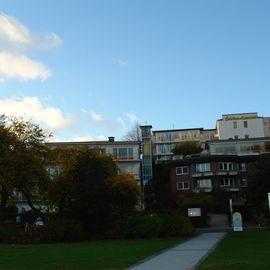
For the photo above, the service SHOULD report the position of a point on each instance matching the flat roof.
(184, 129)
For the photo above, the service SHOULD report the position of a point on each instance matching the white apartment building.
(126, 154)
(242, 126)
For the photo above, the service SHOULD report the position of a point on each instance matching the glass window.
(234, 124)
(242, 167)
(226, 166)
(246, 136)
(182, 185)
(245, 124)
(203, 167)
(182, 170)
(228, 182)
(204, 183)
(236, 137)
(243, 182)
(130, 153)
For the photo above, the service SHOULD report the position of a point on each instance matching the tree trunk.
(29, 201)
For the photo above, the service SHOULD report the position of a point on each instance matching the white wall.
(226, 130)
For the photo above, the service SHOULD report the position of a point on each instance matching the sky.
(89, 69)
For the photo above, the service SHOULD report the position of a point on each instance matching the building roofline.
(184, 129)
(241, 140)
(93, 143)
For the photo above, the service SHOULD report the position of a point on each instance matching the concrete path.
(185, 256)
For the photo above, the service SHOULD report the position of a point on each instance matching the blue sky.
(89, 69)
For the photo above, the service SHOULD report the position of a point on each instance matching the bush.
(178, 225)
(150, 225)
(7, 231)
(62, 230)
(153, 225)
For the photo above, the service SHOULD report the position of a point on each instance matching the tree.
(124, 194)
(23, 160)
(187, 148)
(62, 161)
(134, 134)
(158, 196)
(259, 185)
(88, 201)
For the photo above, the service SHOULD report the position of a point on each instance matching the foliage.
(177, 225)
(259, 186)
(89, 198)
(23, 160)
(62, 161)
(195, 200)
(125, 193)
(187, 148)
(154, 225)
(62, 230)
(157, 192)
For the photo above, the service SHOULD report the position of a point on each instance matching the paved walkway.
(185, 256)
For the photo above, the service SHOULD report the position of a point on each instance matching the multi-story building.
(126, 154)
(165, 140)
(242, 126)
(208, 173)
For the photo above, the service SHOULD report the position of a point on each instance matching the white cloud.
(89, 138)
(19, 66)
(15, 40)
(98, 118)
(132, 117)
(11, 30)
(31, 107)
(120, 62)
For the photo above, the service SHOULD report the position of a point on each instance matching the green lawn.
(103, 255)
(240, 251)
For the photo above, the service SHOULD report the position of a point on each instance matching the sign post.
(237, 222)
(269, 200)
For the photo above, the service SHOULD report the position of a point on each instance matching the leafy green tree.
(23, 160)
(187, 148)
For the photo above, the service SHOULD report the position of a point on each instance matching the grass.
(105, 255)
(240, 251)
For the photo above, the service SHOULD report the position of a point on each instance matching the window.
(123, 153)
(242, 167)
(234, 124)
(228, 182)
(226, 166)
(246, 136)
(243, 182)
(182, 170)
(203, 167)
(245, 124)
(236, 137)
(182, 185)
(204, 183)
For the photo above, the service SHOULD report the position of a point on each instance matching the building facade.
(126, 154)
(206, 174)
(242, 126)
(165, 140)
